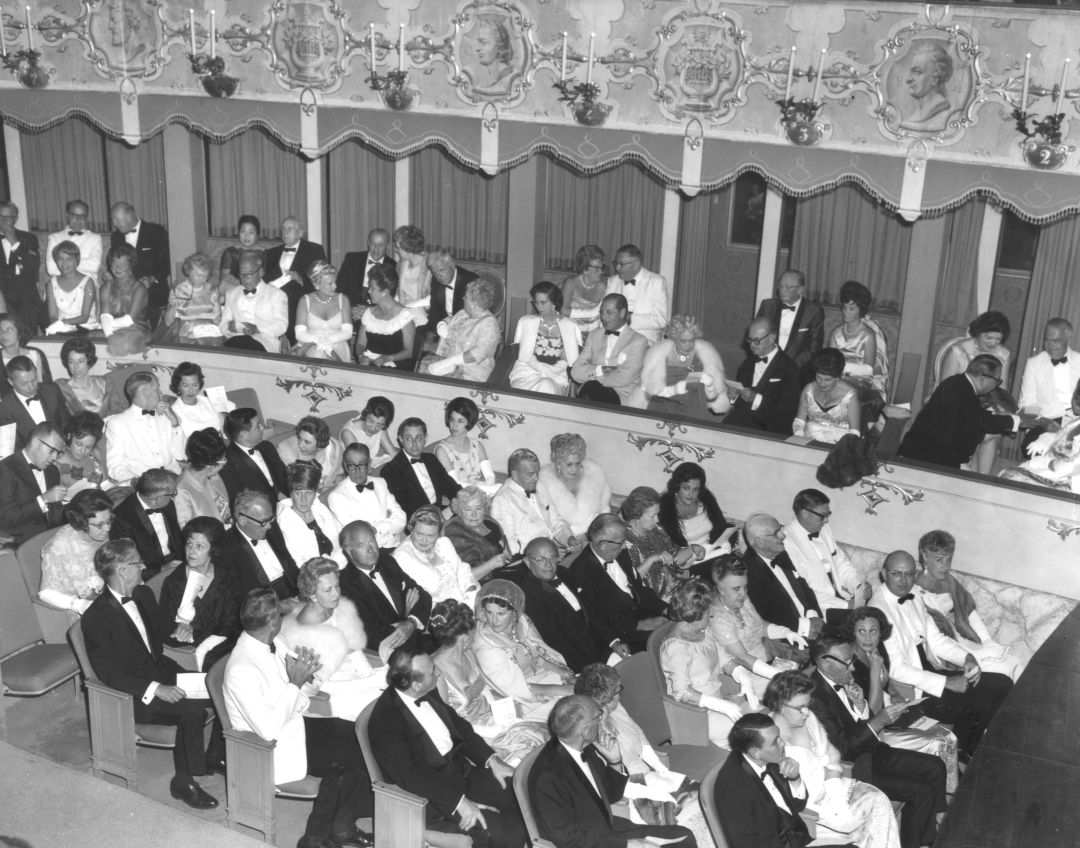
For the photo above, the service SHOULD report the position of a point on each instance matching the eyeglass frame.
(850, 663)
(262, 522)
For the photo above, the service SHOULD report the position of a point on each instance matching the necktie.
(417, 461)
(904, 598)
(288, 250)
(1059, 361)
(787, 308)
(361, 486)
(812, 536)
(33, 398)
(630, 283)
(149, 412)
(325, 546)
(75, 232)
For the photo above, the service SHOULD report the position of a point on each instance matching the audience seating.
(184, 656)
(903, 392)
(521, 790)
(54, 621)
(249, 780)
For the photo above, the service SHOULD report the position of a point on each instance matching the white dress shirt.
(435, 727)
(132, 611)
(618, 576)
(33, 408)
(157, 521)
(524, 518)
(817, 559)
(271, 565)
(798, 790)
(759, 372)
(89, 244)
(376, 506)
(132, 235)
(583, 767)
(267, 309)
(787, 322)
(648, 302)
(423, 478)
(135, 443)
(9, 247)
(1046, 389)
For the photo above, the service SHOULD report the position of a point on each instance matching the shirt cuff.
(804, 627)
(419, 624)
(1015, 422)
(798, 788)
(150, 692)
(756, 403)
(599, 372)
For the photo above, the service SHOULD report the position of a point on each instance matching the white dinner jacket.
(271, 315)
(1039, 387)
(814, 559)
(89, 244)
(376, 506)
(135, 443)
(648, 300)
(523, 519)
(528, 327)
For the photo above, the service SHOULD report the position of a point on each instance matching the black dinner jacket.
(779, 388)
(237, 555)
(807, 331)
(152, 248)
(27, 258)
(612, 613)
(749, 813)
(561, 626)
(217, 612)
(406, 489)
(240, 472)
(350, 279)
(409, 758)
(376, 612)
(951, 425)
(769, 597)
(13, 411)
(20, 515)
(307, 252)
(437, 310)
(130, 521)
(568, 810)
(852, 737)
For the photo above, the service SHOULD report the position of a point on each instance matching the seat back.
(374, 771)
(521, 790)
(642, 695)
(707, 796)
(939, 361)
(78, 645)
(652, 648)
(245, 398)
(29, 556)
(19, 626)
(215, 685)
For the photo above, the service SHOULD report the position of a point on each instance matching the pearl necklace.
(327, 299)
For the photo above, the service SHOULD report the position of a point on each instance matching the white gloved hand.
(722, 706)
(763, 669)
(666, 392)
(776, 631)
(680, 387)
(707, 381)
(442, 330)
(745, 680)
(446, 365)
(487, 471)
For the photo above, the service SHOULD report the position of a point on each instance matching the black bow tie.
(812, 536)
(36, 468)
(126, 599)
(252, 451)
(374, 261)
(288, 250)
(254, 542)
(429, 698)
(157, 511)
(149, 412)
(904, 598)
(630, 283)
(839, 687)
(75, 232)
(787, 308)
(761, 359)
(361, 486)
(612, 332)
(33, 398)
(418, 461)
(530, 493)
(1059, 361)
(250, 293)
(273, 648)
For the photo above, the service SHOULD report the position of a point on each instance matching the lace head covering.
(505, 591)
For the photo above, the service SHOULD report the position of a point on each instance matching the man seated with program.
(251, 461)
(520, 512)
(255, 548)
(255, 315)
(775, 588)
(609, 365)
(31, 402)
(576, 778)
(1050, 378)
(428, 749)
(921, 655)
(415, 478)
(31, 497)
(770, 381)
(362, 498)
(267, 690)
(145, 435)
(148, 517)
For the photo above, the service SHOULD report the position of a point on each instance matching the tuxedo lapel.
(129, 624)
(583, 781)
(372, 590)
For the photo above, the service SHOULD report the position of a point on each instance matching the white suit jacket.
(89, 244)
(376, 506)
(650, 305)
(271, 315)
(814, 559)
(912, 624)
(524, 519)
(528, 327)
(627, 357)
(1039, 387)
(135, 443)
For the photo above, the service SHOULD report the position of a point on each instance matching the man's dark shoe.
(215, 765)
(355, 838)
(193, 795)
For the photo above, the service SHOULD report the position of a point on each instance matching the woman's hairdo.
(464, 407)
(638, 502)
(828, 362)
(311, 572)
(690, 601)
(428, 515)
(304, 475)
(565, 445)
(449, 620)
(680, 324)
(315, 426)
(186, 369)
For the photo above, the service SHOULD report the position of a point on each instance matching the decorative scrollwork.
(313, 390)
(1063, 528)
(113, 365)
(483, 424)
(671, 426)
(673, 451)
(873, 499)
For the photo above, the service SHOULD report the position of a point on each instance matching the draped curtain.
(252, 175)
(843, 235)
(958, 282)
(460, 209)
(137, 175)
(622, 205)
(60, 164)
(360, 196)
(691, 264)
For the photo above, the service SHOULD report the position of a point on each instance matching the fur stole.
(578, 509)
(654, 372)
(332, 642)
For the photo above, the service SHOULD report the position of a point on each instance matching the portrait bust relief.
(493, 53)
(126, 36)
(927, 87)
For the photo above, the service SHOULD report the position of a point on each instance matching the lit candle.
(213, 34)
(1061, 90)
(191, 28)
(562, 76)
(401, 47)
(588, 67)
(790, 73)
(371, 27)
(3, 34)
(820, 71)
(1027, 74)
(30, 31)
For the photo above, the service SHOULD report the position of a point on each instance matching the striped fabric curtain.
(137, 175)
(958, 283)
(64, 163)
(360, 195)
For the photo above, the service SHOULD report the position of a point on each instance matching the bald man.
(800, 324)
(19, 268)
(151, 243)
(769, 397)
(286, 266)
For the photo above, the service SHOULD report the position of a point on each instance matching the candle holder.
(1042, 147)
(26, 67)
(391, 86)
(797, 119)
(211, 73)
(583, 100)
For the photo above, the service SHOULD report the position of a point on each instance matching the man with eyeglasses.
(20, 262)
(255, 548)
(362, 498)
(77, 231)
(925, 659)
(31, 497)
(255, 315)
(31, 401)
(954, 421)
(251, 461)
(449, 281)
(800, 324)
(769, 397)
(148, 517)
(646, 293)
(840, 705)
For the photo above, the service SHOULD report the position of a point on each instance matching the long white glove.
(778, 631)
(442, 329)
(763, 669)
(678, 388)
(446, 365)
(706, 380)
(487, 471)
(719, 705)
(745, 680)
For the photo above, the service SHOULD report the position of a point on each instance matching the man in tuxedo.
(145, 435)
(148, 517)
(30, 402)
(267, 690)
(416, 478)
(576, 778)
(778, 592)
(389, 602)
(151, 243)
(1050, 378)
(555, 606)
(609, 365)
(362, 498)
(840, 705)
(769, 397)
(286, 267)
(428, 749)
(255, 315)
(255, 549)
(645, 291)
(800, 324)
(352, 279)
(521, 513)
(77, 231)
(448, 284)
(31, 497)
(19, 270)
(949, 428)
(123, 630)
(921, 653)
(621, 609)
(251, 462)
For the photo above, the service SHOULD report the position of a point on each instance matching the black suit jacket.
(779, 388)
(350, 279)
(568, 810)
(240, 472)
(559, 624)
(405, 751)
(852, 737)
(237, 555)
(307, 252)
(152, 248)
(769, 597)
(13, 411)
(217, 612)
(19, 274)
(376, 612)
(20, 515)
(437, 310)
(750, 815)
(951, 425)
(130, 521)
(612, 613)
(807, 332)
(406, 489)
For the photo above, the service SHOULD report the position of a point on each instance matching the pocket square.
(802, 330)
(774, 379)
